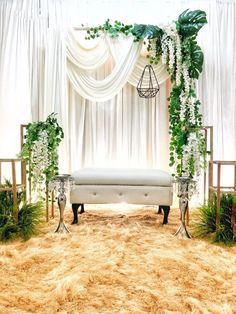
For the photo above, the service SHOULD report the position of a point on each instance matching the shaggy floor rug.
(117, 262)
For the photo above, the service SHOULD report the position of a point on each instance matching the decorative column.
(62, 182)
(183, 194)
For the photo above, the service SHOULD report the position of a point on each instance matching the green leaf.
(196, 61)
(147, 31)
(190, 22)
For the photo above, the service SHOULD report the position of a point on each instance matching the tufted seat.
(132, 186)
(107, 176)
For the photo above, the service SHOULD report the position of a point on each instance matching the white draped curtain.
(24, 33)
(34, 82)
(123, 132)
(110, 125)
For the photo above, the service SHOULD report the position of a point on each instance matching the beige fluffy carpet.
(117, 262)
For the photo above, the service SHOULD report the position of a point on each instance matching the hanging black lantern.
(148, 86)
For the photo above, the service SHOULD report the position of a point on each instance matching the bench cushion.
(131, 176)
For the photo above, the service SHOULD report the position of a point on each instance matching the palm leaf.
(190, 22)
(196, 61)
(147, 31)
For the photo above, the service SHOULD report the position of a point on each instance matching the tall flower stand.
(183, 194)
(62, 182)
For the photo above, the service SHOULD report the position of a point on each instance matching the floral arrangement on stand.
(40, 153)
(176, 46)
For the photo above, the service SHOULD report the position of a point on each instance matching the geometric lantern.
(148, 86)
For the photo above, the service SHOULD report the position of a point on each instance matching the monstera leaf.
(190, 22)
(147, 31)
(196, 59)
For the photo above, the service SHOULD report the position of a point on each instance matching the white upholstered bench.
(132, 186)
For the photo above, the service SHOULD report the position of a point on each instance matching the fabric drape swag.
(128, 66)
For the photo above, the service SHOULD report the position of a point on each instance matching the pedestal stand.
(62, 180)
(183, 194)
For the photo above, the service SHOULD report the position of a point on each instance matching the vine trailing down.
(176, 46)
(40, 152)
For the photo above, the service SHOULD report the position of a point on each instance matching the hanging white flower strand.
(169, 46)
(164, 48)
(178, 68)
(191, 151)
(40, 160)
(171, 51)
(178, 60)
(187, 80)
(191, 106)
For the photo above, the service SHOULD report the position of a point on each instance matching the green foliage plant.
(176, 45)
(30, 217)
(9, 231)
(6, 202)
(25, 226)
(25, 222)
(205, 220)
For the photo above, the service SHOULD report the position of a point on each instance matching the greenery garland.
(176, 45)
(40, 151)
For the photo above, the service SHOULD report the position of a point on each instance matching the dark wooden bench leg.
(166, 210)
(82, 209)
(75, 212)
(159, 210)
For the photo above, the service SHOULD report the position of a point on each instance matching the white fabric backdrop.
(123, 132)
(27, 92)
(15, 87)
